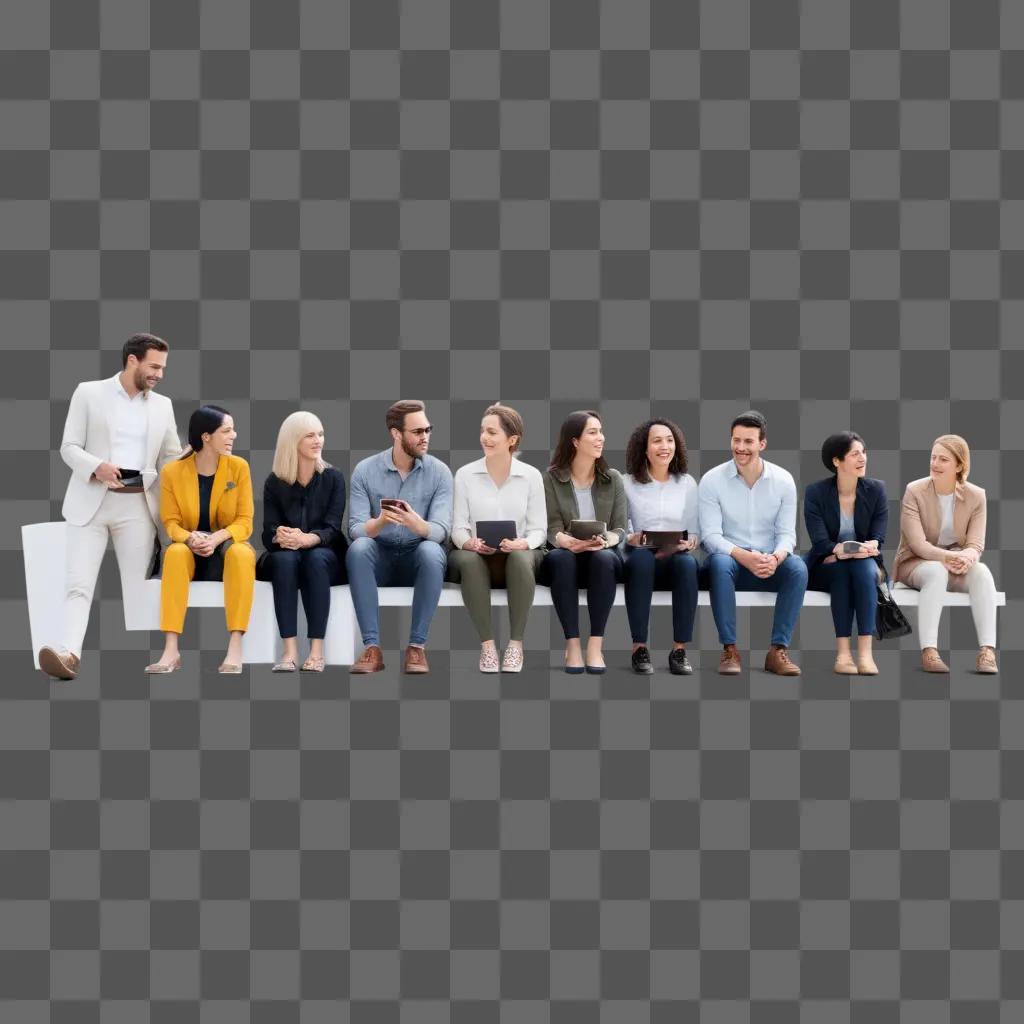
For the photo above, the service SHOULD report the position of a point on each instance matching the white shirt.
(947, 535)
(671, 505)
(128, 442)
(759, 518)
(520, 498)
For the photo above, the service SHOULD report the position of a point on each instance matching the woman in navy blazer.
(848, 506)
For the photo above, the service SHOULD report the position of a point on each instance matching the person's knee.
(605, 562)
(318, 559)
(684, 565)
(522, 562)
(430, 555)
(793, 568)
(980, 574)
(560, 563)
(931, 574)
(240, 555)
(362, 551)
(177, 553)
(720, 564)
(283, 563)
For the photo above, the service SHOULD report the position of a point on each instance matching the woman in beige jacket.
(942, 536)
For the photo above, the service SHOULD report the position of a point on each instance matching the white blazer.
(88, 432)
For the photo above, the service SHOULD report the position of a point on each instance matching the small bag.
(890, 622)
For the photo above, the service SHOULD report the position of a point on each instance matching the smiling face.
(854, 462)
(590, 444)
(943, 468)
(414, 435)
(661, 447)
(147, 372)
(222, 440)
(311, 444)
(493, 439)
(746, 445)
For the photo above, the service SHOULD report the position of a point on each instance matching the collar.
(119, 388)
(480, 466)
(388, 458)
(564, 476)
(734, 469)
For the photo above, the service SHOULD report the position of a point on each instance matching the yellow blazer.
(231, 506)
(921, 521)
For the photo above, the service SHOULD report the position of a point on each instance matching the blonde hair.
(958, 448)
(286, 455)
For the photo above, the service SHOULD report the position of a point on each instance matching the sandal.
(288, 665)
(226, 668)
(512, 659)
(312, 664)
(488, 659)
(159, 669)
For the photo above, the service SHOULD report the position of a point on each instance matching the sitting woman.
(580, 485)
(303, 513)
(942, 537)
(660, 496)
(847, 515)
(503, 488)
(206, 507)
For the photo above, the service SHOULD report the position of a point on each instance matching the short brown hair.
(139, 344)
(395, 416)
(510, 420)
(636, 451)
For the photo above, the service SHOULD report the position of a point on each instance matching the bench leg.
(339, 644)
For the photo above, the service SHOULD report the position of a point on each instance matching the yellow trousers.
(239, 581)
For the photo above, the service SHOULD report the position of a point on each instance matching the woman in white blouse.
(660, 496)
(494, 488)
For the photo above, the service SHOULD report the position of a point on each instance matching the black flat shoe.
(678, 663)
(596, 670)
(574, 670)
(641, 661)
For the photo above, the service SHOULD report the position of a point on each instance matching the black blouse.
(318, 508)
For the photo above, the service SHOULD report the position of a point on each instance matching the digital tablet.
(493, 531)
(586, 529)
(663, 540)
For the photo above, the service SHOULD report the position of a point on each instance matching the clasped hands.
(869, 549)
(477, 544)
(293, 539)
(960, 562)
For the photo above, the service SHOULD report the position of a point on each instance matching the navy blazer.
(318, 508)
(821, 514)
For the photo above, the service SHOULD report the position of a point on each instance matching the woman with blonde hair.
(303, 510)
(942, 537)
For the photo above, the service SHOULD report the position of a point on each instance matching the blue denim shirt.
(428, 489)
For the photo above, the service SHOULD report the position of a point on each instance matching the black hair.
(139, 344)
(837, 446)
(572, 430)
(636, 451)
(751, 418)
(205, 420)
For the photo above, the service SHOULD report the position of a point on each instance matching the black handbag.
(890, 622)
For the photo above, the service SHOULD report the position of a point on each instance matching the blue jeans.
(725, 576)
(851, 584)
(644, 574)
(371, 565)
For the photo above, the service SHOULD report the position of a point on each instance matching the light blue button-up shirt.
(427, 489)
(759, 518)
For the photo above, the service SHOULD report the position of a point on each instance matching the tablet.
(663, 540)
(493, 531)
(586, 529)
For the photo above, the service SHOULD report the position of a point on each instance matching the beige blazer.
(921, 520)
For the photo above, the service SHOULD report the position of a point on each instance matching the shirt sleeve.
(710, 518)
(691, 512)
(170, 510)
(272, 512)
(359, 504)
(76, 428)
(461, 530)
(439, 513)
(785, 518)
(329, 528)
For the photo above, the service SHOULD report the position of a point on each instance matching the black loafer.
(678, 663)
(641, 661)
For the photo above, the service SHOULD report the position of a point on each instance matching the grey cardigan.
(609, 502)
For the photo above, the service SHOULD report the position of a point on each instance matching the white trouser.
(126, 519)
(933, 579)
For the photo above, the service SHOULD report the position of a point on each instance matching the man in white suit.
(118, 434)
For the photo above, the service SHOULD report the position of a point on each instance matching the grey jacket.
(609, 502)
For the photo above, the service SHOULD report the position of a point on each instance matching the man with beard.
(400, 515)
(117, 435)
(748, 525)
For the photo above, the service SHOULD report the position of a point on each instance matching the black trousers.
(565, 572)
(310, 572)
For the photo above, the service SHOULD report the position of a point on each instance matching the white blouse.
(672, 505)
(520, 498)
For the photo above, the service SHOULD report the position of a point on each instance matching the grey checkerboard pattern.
(644, 205)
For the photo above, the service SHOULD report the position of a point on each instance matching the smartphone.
(393, 503)
(852, 547)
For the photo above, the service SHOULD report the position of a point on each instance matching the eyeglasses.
(420, 431)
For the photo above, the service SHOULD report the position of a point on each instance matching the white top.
(130, 422)
(759, 518)
(946, 536)
(585, 502)
(520, 498)
(671, 505)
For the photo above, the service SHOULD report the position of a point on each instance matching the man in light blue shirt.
(400, 515)
(748, 527)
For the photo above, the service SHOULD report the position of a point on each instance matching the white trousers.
(933, 579)
(126, 520)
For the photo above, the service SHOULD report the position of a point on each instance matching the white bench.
(44, 550)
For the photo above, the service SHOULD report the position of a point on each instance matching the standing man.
(400, 515)
(748, 525)
(118, 434)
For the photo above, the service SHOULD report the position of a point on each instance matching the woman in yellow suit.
(206, 506)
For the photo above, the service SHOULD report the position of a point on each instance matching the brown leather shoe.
(777, 661)
(371, 660)
(415, 661)
(729, 664)
(58, 663)
(986, 663)
(931, 662)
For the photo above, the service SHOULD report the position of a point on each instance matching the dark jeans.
(311, 572)
(851, 583)
(565, 573)
(646, 573)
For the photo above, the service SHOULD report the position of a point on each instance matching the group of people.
(579, 524)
